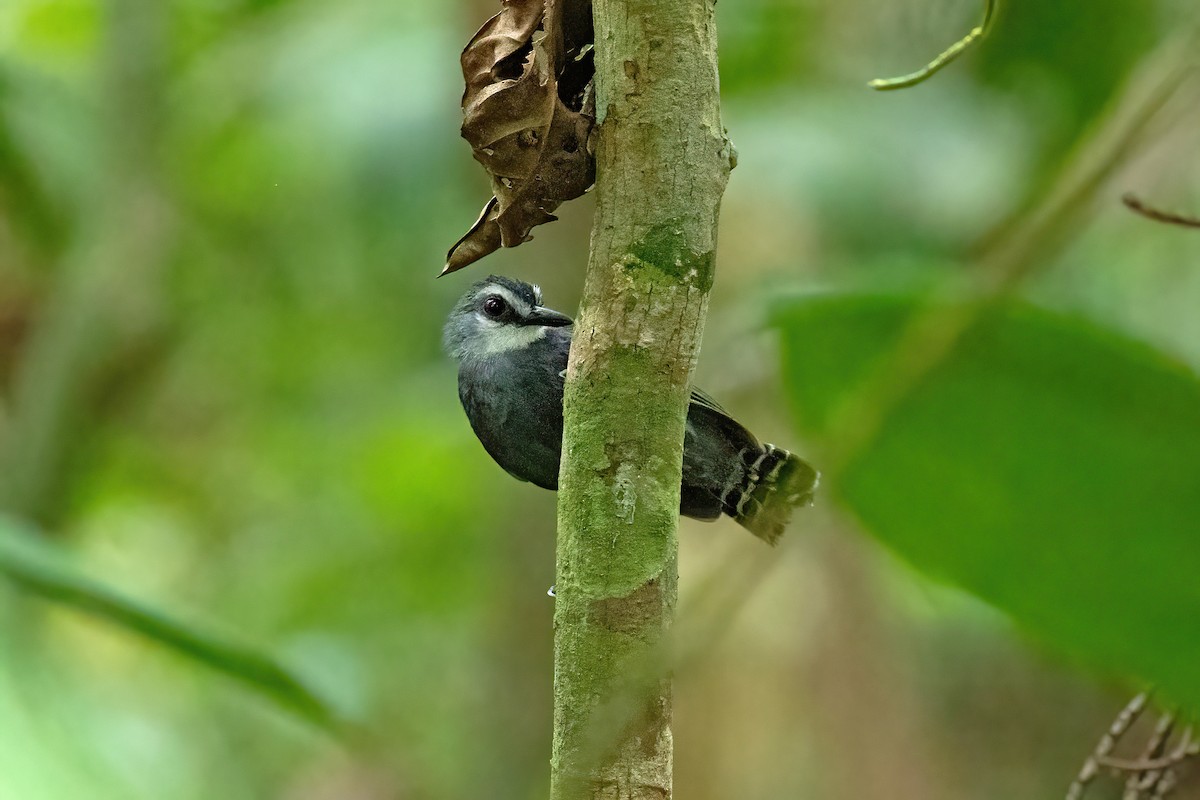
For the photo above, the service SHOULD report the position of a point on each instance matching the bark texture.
(662, 163)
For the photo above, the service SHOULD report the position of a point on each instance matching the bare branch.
(1134, 204)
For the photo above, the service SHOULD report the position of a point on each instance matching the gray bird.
(512, 355)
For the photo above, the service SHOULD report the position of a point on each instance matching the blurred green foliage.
(35, 567)
(1044, 464)
(221, 390)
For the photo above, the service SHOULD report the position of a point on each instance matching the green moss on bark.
(626, 452)
(665, 248)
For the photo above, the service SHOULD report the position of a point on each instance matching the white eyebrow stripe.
(513, 301)
(537, 294)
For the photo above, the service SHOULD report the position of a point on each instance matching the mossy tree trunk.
(662, 163)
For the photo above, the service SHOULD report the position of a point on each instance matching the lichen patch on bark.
(625, 492)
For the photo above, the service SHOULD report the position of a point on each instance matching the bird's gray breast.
(513, 400)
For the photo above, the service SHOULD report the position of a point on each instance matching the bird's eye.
(494, 306)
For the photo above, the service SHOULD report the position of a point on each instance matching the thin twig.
(1185, 750)
(1140, 781)
(1165, 785)
(1170, 779)
(1152, 775)
(1134, 204)
(1108, 741)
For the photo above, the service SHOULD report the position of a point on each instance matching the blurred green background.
(222, 393)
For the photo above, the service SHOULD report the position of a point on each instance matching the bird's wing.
(705, 412)
(705, 400)
(515, 475)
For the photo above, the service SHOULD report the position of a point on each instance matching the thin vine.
(948, 55)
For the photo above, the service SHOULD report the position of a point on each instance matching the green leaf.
(1044, 464)
(39, 569)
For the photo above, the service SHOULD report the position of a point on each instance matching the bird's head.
(498, 314)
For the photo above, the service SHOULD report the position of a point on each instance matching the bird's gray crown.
(498, 314)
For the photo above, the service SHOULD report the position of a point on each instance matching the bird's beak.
(547, 317)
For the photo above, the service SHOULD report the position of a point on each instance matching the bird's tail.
(775, 483)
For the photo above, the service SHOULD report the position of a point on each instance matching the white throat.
(503, 338)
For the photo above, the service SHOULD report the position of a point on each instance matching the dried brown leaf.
(481, 239)
(528, 113)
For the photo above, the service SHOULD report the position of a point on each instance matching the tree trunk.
(662, 164)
